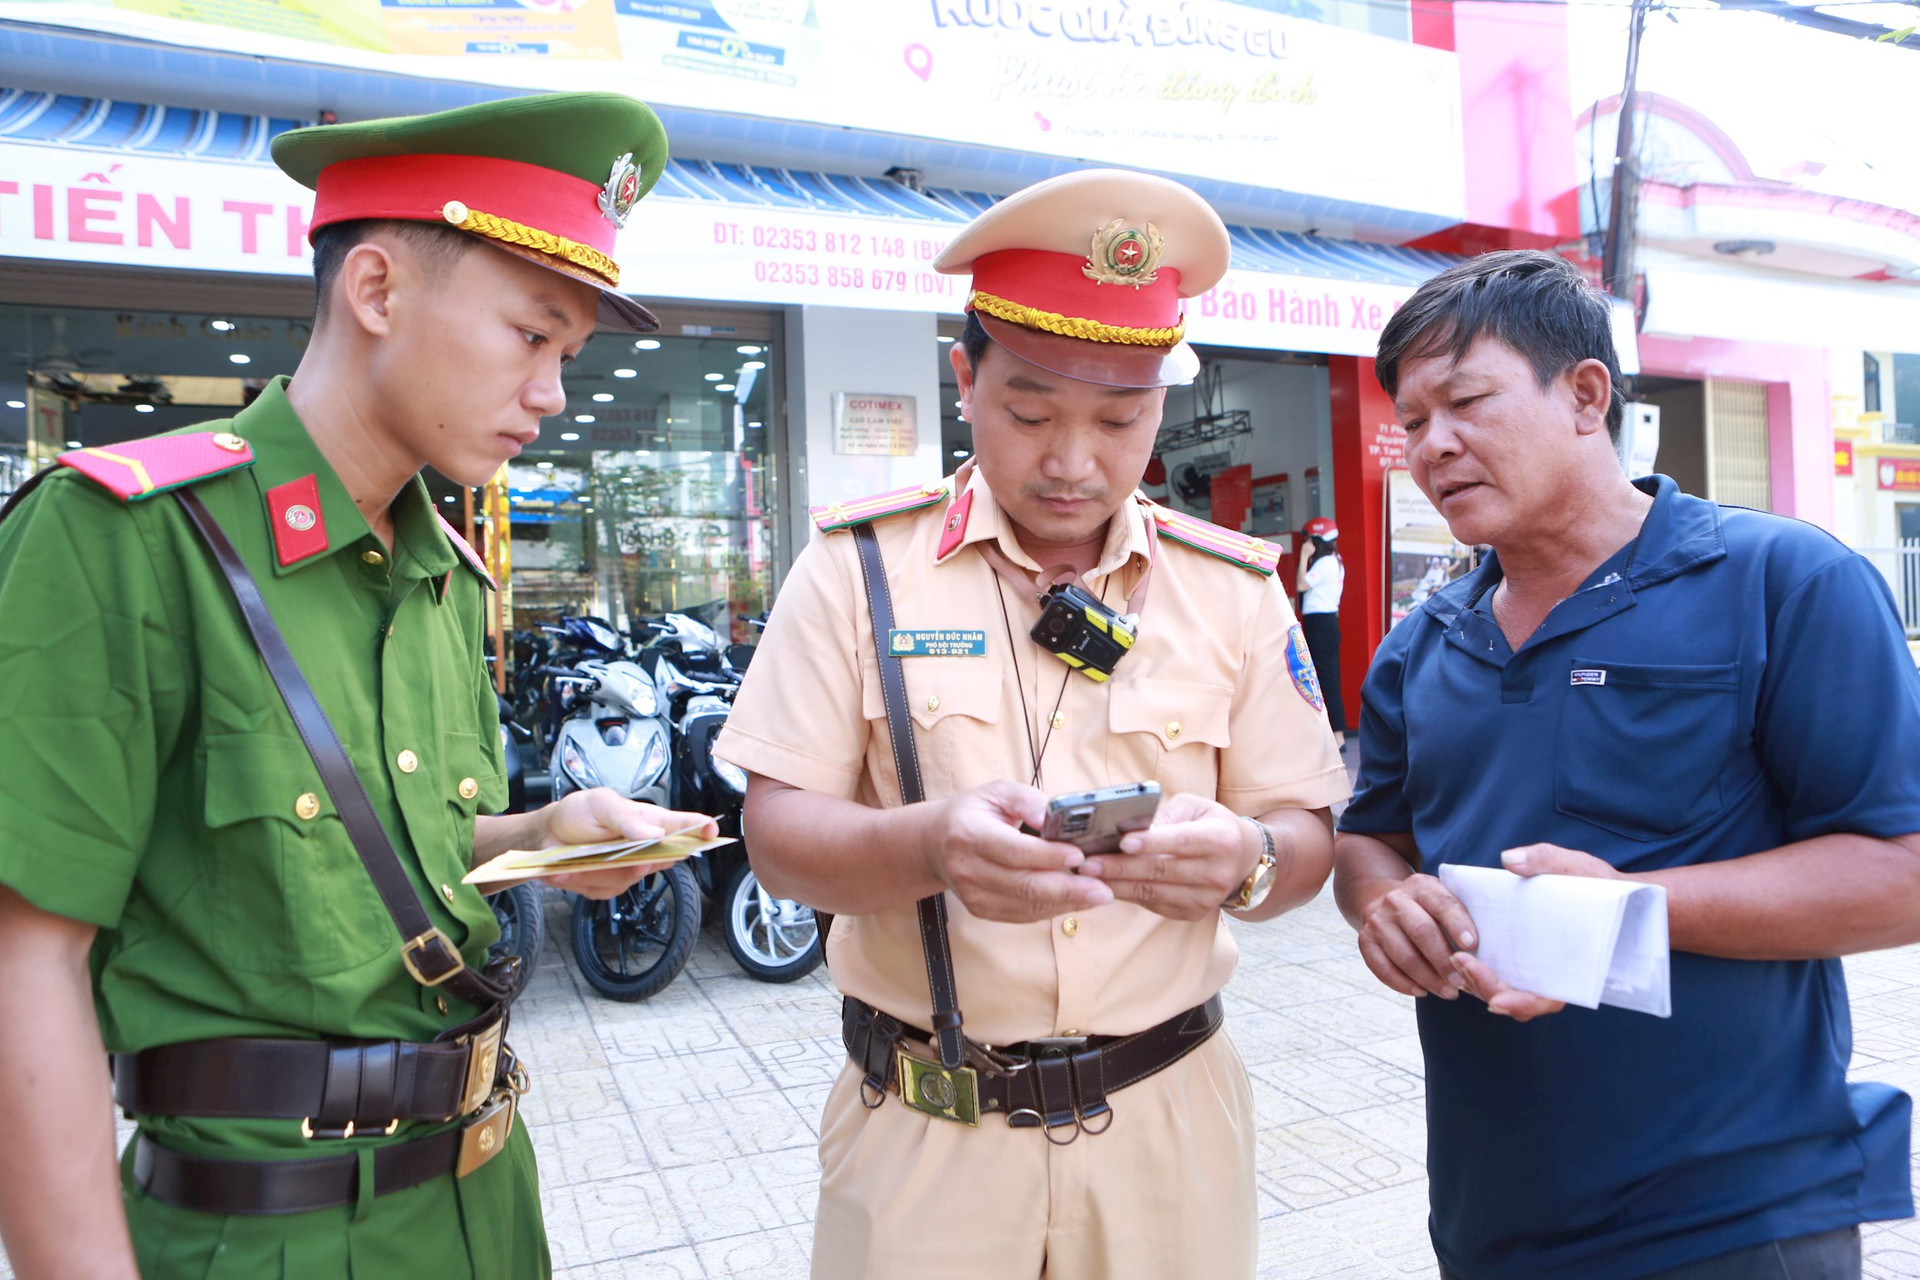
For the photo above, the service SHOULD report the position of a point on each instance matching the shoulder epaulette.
(138, 469)
(844, 515)
(1243, 549)
(467, 553)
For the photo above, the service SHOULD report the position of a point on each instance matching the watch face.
(1263, 877)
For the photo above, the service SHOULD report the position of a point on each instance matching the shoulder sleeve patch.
(1243, 549)
(835, 516)
(1306, 680)
(138, 469)
(467, 553)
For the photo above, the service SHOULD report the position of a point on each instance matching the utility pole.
(1618, 252)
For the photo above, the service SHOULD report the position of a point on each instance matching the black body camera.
(1082, 632)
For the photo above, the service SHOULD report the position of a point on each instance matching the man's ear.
(963, 374)
(1592, 395)
(364, 291)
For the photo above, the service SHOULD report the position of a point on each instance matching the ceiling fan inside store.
(1193, 480)
(59, 362)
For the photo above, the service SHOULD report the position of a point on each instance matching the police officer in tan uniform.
(1036, 1083)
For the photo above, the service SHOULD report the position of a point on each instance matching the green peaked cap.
(576, 133)
(612, 147)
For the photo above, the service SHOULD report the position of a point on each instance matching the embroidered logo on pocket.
(1590, 675)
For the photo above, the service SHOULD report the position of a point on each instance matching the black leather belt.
(1060, 1080)
(286, 1186)
(327, 1082)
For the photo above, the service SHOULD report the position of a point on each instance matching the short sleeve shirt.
(1326, 576)
(151, 779)
(1728, 683)
(1203, 703)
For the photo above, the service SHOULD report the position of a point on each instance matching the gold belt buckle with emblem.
(933, 1090)
(484, 1135)
(483, 1064)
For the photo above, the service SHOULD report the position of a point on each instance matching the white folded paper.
(1574, 938)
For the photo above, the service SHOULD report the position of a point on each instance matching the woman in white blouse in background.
(1322, 577)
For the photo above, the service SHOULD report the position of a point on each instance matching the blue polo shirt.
(1758, 691)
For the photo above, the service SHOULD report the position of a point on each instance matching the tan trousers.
(1168, 1191)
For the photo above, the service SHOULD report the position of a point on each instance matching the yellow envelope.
(531, 864)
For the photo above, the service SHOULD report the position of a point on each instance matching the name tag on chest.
(903, 643)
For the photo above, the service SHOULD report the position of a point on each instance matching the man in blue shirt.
(1750, 745)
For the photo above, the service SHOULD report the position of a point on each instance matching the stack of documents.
(1574, 938)
(531, 864)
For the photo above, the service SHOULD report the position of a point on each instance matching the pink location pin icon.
(919, 60)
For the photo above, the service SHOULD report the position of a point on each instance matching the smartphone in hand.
(1095, 820)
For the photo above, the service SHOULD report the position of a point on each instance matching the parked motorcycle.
(614, 734)
(522, 929)
(517, 907)
(740, 655)
(772, 939)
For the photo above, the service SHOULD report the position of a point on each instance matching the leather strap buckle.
(431, 958)
(485, 1135)
(936, 1091)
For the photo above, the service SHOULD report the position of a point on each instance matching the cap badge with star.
(1084, 274)
(549, 178)
(622, 191)
(1125, 255)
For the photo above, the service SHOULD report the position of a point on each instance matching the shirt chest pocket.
(1171, 731)
(1644, 750)
(955, 705)
(289, 893)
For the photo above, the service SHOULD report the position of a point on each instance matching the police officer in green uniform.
(183, 883)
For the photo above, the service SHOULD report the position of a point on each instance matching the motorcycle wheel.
(522, 929)
(773, 939)
(631, 946)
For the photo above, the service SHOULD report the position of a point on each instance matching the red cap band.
(417, 189)
(1057, 282)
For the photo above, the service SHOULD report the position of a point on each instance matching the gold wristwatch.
(1259, 883)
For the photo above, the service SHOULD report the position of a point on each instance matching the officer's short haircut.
(438, 245)
(974, 340)
(1536, 302)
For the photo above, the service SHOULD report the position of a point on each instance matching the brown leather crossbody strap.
(948, 1034)
(429, 955)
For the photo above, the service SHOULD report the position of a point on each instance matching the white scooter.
(616, 735)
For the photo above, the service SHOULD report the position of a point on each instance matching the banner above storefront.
(128, 209)
(1698, 298)
(1203, 88)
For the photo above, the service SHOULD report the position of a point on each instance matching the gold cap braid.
(1073, 326)
(508, 231)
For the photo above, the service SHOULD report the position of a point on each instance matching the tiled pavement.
(676, 1137)
(677, 1142)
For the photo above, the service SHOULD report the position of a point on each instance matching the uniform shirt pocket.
(953, 702)
(289, 892)
(1643, 749)
(1171, 731)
